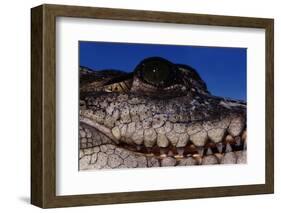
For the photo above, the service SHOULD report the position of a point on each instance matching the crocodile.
(160, 114)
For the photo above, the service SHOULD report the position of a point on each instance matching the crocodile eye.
(157, 72)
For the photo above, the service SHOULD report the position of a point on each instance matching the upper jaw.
(181, 139)
(150, 126)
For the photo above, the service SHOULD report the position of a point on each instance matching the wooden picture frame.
(43, 105)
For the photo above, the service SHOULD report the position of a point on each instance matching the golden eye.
(108, 88)
(118, 87)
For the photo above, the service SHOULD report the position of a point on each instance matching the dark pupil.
(156, 73)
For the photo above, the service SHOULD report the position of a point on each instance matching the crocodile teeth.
(163, 156)
(229, 139)
(236, 126)
(216, 135)
(238, 141)
(178, 157)
(196, 156)
(209, 151)
(158, 144)
(199, 138)
(149, 137)
(220, 147)
(116, 133)
(228, 148)
(183, 139)
(162, 140)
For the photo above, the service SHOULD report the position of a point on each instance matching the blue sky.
(223, 69)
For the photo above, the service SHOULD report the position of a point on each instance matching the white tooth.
(209, 151)
(199, 138)
(216, 135)
(228, 148)
(229, 139)
(137, 136)
(123, 130)
(130, 130)
(150, 137)
(116, 133)
(162, 140)
(236, 126)
(220, 147)
(183, 139)
(178, 156)
(81, 153)
(173, 137)
(196, 156)
(238, 141)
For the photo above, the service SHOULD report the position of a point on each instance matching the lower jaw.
(110, 156)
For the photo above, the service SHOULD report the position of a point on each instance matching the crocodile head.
(161, 114)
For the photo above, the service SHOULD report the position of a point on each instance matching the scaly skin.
(142, 125)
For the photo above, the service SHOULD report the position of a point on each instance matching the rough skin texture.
(143, 119)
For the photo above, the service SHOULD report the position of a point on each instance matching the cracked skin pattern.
(159, 115)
